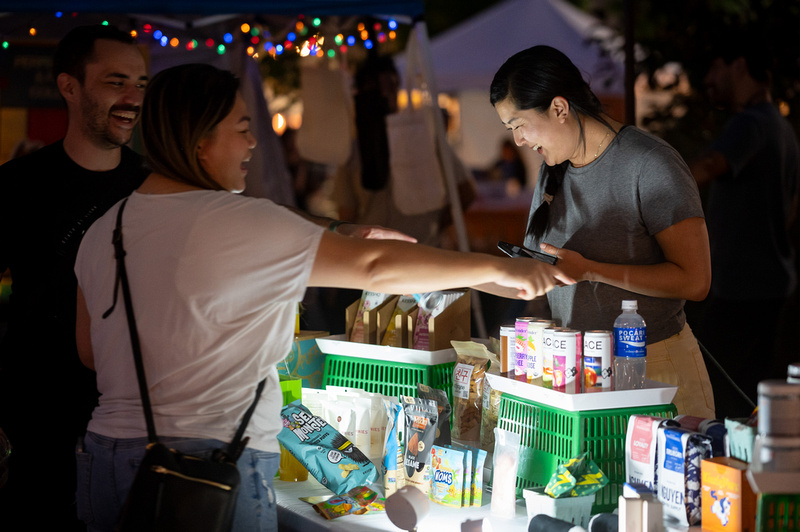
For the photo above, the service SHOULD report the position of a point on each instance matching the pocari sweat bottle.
(630, 348)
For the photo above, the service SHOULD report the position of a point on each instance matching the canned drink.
(507, 349)
(521, 341)
(597, 360)
(565, 356)
(534, 355)
(547, 350)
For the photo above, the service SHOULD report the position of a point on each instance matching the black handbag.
(174, 491)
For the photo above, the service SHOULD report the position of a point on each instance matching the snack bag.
(468, 375)
(369, 301)
(404, 304)
(356, 501)
(443, 407)
(478, 458)
(680, 454)
(420, 429)
(330, 457)
(447, 479)
(641, 450)
(393, 478)
(490, 414)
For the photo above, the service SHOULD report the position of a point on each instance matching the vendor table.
(295, 515)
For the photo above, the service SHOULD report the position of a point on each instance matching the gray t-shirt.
(610, 211)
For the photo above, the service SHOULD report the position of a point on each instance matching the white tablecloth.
(300, 516)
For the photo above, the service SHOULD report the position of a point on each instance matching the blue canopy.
(412, 8)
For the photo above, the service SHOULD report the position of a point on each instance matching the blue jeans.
(107, 467)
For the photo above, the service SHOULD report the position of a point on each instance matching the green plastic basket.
(389, 378)
(778, 512)
(550, 436)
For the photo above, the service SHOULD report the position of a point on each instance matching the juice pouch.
(330, 457)
(476, 476)
(420, 428)
(447, 481)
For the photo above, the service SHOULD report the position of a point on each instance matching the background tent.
(465, 58)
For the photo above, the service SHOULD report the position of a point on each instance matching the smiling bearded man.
(50, 198)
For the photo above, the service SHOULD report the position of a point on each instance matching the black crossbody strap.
(237, 445)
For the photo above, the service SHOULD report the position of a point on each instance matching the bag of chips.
(330, 457)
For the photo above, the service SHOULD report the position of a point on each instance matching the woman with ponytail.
(620, 210)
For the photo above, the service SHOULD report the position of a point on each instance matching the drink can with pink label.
(565, 357)
(520, 344)
(534, 353)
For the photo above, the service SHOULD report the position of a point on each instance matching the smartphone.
(518, 251)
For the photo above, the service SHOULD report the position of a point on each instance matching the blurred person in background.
(752, 171)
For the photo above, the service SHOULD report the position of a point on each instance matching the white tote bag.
(416, 173)
(327, 132)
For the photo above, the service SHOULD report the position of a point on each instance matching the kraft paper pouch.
(435, 306)
(330, 457)
(472, 360)
(369, 301)
(447, 476)
(680, 453)
(641, 450)
(356, 501)
(404, 304)
(576, 477)
(443, 408)
(420, 429)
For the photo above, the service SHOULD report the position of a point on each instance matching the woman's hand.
(572, 263)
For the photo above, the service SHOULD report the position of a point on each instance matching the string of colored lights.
(306, 37)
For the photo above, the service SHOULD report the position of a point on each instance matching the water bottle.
(630, 348)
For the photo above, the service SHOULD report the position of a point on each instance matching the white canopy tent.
(465, 58)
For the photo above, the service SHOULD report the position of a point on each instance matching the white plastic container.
(575, 510)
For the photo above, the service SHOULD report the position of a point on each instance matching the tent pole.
(421, 34)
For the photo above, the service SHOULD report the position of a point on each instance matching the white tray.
(654, 393)
(337, 345)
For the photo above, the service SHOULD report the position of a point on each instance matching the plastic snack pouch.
(392, 452)
(420, 428)
(472, 360)
(330, 457)
(369, 301)
(447, 478)
(504, 479)
(356, 501)
(576, 477)
(404, 304)
(680, 453)
(443, 408)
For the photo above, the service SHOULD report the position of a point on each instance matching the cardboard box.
(728, 501)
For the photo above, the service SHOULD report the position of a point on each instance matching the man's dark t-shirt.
(47, 395)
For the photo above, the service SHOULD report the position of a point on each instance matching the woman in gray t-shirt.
(620, 210)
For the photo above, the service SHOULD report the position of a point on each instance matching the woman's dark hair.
(182, 105)
(530, 79)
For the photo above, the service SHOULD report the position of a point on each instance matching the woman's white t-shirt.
(215, 280)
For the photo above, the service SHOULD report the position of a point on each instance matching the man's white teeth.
(125, 115)
(537, 146)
